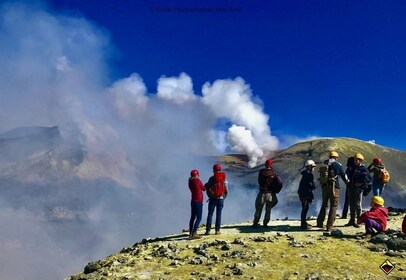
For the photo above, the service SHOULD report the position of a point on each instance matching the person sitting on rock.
(375, 219)
(305, 191)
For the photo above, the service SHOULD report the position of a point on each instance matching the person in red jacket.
(375, 219)
(196, 188)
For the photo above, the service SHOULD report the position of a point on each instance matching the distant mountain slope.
(42, 155)
(289, 163)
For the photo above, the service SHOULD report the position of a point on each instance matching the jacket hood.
(382, 209)
(304, 172)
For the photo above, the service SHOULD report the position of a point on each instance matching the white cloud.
(176, 89)
(129, 95)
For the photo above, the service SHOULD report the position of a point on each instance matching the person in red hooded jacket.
(375, 219)
(196, 188)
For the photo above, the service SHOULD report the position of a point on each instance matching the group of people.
(359, 182)
(357, 178)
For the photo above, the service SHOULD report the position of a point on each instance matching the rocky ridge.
(280, 251)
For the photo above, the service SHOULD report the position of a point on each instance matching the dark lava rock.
(396, 244)
(92, 267)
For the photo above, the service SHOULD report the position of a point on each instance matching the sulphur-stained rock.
(239, 241)
(259, 239)
(312, 276)
(243, 253)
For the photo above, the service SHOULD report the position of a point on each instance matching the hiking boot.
(306, 226)
(351, 224)
(217, 232)
(265, 225)
(320, 226)
(356, 225)
(195, 236)
(207, 232)
(330, 229)
(254, 226)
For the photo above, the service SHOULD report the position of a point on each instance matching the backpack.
(277, 185)
(326, 174)
(384, 176)
(218, 189)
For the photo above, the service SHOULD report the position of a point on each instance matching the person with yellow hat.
(329, 172)
(360, 183)
(376, 219)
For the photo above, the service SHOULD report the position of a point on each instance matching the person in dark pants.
(360, 180)
(196, 188)
(216, 201)
(305, 191)
(348, 171)
(267, 180)
(375, 167)
(330, 189)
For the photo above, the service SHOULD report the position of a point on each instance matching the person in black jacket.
(360, 182)
(269, 186)
(305, 191)
(348, 171)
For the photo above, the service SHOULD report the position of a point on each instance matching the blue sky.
(321, 68)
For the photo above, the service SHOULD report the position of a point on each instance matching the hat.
(359, 156)
(377, 200)
(310, 163)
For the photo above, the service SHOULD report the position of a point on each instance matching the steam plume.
(54, 72)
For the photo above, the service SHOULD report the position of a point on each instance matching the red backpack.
(219, 188)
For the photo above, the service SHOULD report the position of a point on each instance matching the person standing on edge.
(350, 167)
(269, 186)
(376, 219)
(360, 180)
(305, 191)
(375, 167)
(330, 189)
(217, 190)
(196, 188)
